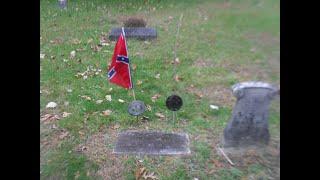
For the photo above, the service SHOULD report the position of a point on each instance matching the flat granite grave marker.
(249, 122)
(152, 143)
(140, 33)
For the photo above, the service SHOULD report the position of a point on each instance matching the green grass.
(214, 31)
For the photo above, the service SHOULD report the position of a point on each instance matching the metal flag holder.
(174, 102)
(136, 107)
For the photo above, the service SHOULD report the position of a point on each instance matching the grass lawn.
(221, 43)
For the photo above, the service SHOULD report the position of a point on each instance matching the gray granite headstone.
(249, 122)
(152, 143)
(62, 4)
(140, 33)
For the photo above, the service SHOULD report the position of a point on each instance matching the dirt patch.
(217, 95)
(51, 137)
(96, 149)
(263, 39)
(268, 157)
(203, 63)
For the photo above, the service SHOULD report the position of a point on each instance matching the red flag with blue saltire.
(119, 70)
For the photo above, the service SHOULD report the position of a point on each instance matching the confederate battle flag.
(119, 70)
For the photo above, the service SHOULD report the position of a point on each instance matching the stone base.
(243, 143)
(152, 143)
(137, 33)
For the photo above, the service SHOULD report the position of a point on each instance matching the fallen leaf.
(81, 133)
(47, 118)
(66, 103)
(106, 112)
(134, 67)
(157, 76)
(51, 105)
(149, 176)
(117, 126)
(69, 90)
(96, 48)
(217, 163)
(89, 40)
(75, 41)
(99, 101)
(139, 82)
(177, 78)
(121, 101)
(110, 89)
(139, 172)
(65, 114)
(148, 107)
(42, 56)
(77, 175)
(200, 95)
(177, 61)
(145, 118)
(72, 54)
(159, 115)
(63, 135)
(155, 97)
(214, 107)
(86, 97)
(108, 98)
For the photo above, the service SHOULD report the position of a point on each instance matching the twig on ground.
(226, 156)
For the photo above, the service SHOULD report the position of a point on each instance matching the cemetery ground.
(220, 43)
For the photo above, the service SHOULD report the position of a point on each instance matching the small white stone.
(72, 54)
(42, 56)
(108, 97)
(99, 101)
(51, 105)
(120, 100)
(214, 107)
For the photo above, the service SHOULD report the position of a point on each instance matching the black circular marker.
(174, 102)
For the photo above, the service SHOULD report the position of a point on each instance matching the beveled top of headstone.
(252, 84)
(152, 143)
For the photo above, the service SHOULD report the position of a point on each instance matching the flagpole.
(133, 93)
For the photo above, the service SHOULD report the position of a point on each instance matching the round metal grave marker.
(174, 102)
(136, 108)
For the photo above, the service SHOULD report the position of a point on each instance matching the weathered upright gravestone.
(249, 122)
(152, 143)
(62, 4)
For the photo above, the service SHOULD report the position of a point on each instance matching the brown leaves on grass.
(134, 67)
(85, 97)
(159, 115)
(155, 97)
(48, 118)
(106, 112)
(75, 41)
(139, 82)
(90, 72)
(65, 114)
(63, 135)
(96, 48)
(177, 78)
(142, 174)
